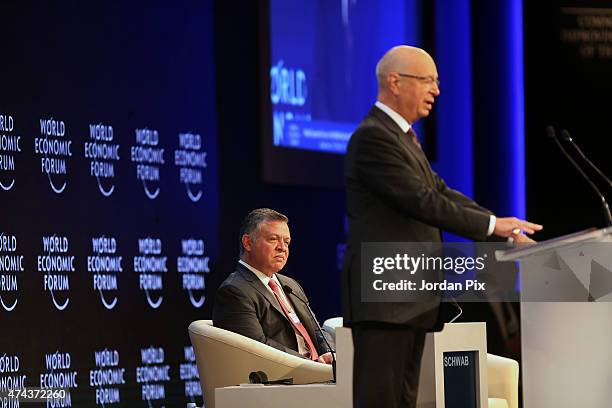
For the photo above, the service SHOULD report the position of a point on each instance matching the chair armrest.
(503, 376)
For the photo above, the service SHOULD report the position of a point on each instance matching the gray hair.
(252, 222)
(381, 72)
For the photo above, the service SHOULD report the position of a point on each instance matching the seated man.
(260, 303)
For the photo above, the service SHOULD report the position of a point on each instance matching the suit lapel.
(256, 283)
(413, 150)
(421, 159)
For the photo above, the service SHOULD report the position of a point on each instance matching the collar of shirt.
(265, 279)
(396, 117)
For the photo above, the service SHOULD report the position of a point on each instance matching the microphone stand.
(289, 291)
(606, 209)
(566, 136)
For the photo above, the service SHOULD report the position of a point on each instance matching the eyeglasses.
(427, 79)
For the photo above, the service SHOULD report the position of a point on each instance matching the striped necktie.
(413, 137)
(295, 321)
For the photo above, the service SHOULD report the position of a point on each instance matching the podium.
(566, 320)
(458, 352)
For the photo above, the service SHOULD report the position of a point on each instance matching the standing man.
(393, 195)
(258, 302)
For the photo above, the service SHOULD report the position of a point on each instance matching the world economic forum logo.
(105, 265)
(148, 157)
(56, 265)
(11, 264)
(54, 147)
(192, 265)
(102, 153)
(191, 161)
(151, 265)
(10, 145)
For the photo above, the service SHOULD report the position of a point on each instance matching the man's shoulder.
(375, 126)
(235, 279)
(372, 121)
(291, 282)
(371, 133)
(286, 279)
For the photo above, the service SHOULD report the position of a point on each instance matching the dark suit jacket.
(393, 195)
(245, 306)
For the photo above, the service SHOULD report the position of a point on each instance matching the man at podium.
(393, 195)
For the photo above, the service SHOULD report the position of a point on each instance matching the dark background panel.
(129, 66)
(568, 89)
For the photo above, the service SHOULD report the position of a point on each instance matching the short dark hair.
(250, 224)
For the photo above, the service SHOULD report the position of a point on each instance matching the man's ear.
(393, 83)
(247, 244)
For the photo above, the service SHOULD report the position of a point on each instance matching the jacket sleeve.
(467, 202)
(458, 197)
(234, 311)
(384, 169)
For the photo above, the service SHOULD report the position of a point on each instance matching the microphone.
(566, 136)
(260, 377)
(458, 308)
(550, 131)
(289, 291)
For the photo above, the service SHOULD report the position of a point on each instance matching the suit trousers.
(387, 365)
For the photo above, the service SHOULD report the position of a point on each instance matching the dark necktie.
(295, 322)
(413, 137)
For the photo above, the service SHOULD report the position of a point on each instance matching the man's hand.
(505, 227)
(325, 358)
(522, 239)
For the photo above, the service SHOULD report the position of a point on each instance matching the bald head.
(402, 58)
(407, 81)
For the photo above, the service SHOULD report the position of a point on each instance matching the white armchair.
(225, 358)
(503, 377)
